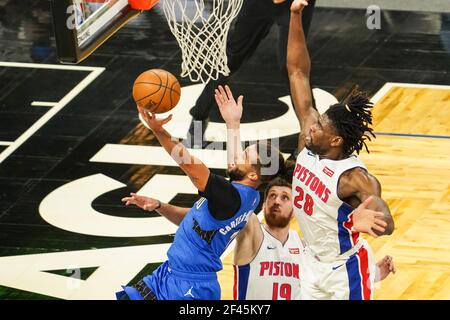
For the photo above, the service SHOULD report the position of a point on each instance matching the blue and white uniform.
(339, 263)
(194, 256)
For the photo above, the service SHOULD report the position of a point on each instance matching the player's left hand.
(230, 110)
(298, 5)
(156, 125)
(142, 202)
(384, 267)
(368, 221)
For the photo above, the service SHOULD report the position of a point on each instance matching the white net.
(201, 29)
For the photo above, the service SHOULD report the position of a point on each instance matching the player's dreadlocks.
(352, 119)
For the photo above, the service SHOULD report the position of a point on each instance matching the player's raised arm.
(248, 241)
(298, 66)
(193, 167)
(231, 112)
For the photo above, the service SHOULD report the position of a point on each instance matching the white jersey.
(274, 273)
(324, 219)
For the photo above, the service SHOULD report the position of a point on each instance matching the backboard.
(81, 26)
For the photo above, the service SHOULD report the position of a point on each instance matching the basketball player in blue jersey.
(329, 181)
(211, 224)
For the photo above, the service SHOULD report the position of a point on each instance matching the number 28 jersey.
(324, 219)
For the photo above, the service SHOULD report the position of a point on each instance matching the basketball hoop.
(202, 35)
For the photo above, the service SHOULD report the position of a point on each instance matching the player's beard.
(236, 174)
(273, 219)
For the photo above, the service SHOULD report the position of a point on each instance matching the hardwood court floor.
(415, 175)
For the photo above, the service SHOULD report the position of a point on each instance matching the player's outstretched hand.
(156, 125)
(298, 5)
(385, 266)
(230, 110)
(142, 202)
(368, 221)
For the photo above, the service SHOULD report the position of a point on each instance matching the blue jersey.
(194, 256)
(201, 239)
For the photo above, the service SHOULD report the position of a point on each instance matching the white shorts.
(350, 277)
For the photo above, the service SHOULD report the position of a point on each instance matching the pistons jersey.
(274, 273)
(324, 219)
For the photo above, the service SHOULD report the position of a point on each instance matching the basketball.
(156, 90)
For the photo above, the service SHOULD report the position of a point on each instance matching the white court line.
(46, 66)
(95, 72)
(43, 104)
(389, 85)
(5, 143)
(157, 156)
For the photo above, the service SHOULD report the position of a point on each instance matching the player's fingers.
(219, 98)
(240, 100)
(218, 102)
(373, 234)
(366, 202)
(142, 112)
(164, 121)
(229, 93)
(378, 214)
(223, 93)
(380, 222)
(378, 228)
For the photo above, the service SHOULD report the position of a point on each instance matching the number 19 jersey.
(274, 273)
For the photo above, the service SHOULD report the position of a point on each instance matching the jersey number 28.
(304, 200)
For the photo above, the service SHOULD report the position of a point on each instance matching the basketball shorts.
(349, 277)
(168, 284)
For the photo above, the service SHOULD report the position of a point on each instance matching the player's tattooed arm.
(357, 186)
(172, 213)
(193, 167)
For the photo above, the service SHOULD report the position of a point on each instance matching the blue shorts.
(169, 284)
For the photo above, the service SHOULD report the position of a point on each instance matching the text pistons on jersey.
(233, 224)
(310, 180)
(279, 268)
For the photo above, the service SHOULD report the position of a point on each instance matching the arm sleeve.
(224, 200)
